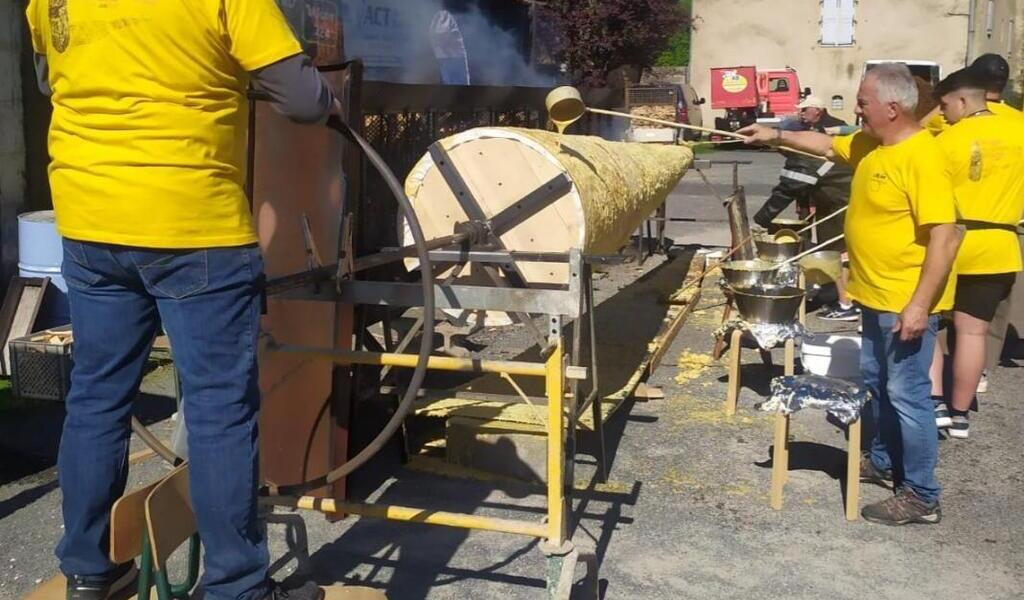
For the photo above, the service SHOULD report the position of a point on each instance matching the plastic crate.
(39, 369)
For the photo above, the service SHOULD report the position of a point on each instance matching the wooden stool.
(735, 347)
(780, 464)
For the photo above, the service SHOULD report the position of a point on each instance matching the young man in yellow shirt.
(148, 148)
(902, 239)
(985, 152)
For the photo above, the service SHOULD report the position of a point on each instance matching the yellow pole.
(556, 448)
(413, 515)
(436, 363)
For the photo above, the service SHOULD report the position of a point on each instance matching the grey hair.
(894, 83)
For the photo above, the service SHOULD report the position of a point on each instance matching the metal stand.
(478, 242)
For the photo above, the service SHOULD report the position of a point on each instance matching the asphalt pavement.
(684, 513)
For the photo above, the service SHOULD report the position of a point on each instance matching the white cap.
(811, 102)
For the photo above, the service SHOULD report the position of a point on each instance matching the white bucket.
(838, 356)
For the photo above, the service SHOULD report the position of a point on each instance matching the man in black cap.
(985, 153)
(996, 72)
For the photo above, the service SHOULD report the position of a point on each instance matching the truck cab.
(748, 95)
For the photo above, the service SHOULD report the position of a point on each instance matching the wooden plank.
(790, 358)
(127, 522)
(169, 515)
(853, 472)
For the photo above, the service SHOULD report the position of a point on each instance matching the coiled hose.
(426, 341)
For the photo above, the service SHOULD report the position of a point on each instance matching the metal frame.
(478, 242)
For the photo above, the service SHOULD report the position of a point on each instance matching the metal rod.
(436, 363)
(557, 529)
(412, 515)
(820, 221)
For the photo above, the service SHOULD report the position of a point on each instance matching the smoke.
(393, 37)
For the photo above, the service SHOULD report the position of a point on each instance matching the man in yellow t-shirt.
(985, 152)
(902, 240)
(148, 154)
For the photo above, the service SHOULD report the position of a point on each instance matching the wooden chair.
(132, 531)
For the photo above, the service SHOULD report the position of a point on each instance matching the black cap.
(994, 71)
(968, 78)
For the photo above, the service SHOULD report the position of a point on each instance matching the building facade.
(829, 41)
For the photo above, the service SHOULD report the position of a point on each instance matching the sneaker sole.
(943, 422)
(123, 583)
(841, 319)
(960, 435)
(934, 519)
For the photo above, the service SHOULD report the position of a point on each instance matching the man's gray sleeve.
(296, 88)
(43, 74)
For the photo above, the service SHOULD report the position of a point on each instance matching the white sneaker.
(983, 383)
(960, 429)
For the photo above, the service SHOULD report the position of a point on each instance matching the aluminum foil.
(767, 335)
(788, 275)
(838, 397)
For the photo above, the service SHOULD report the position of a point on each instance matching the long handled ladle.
(796, 234)
(565, 107)
(811, 251)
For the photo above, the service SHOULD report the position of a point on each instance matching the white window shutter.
(844, 31)
(837, 22)
(829, 22)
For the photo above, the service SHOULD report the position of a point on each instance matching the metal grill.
(650, 96)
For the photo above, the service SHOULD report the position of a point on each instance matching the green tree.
(677, 54)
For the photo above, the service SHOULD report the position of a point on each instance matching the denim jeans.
(209, 304)
(896, 374)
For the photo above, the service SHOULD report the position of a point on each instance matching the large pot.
(772, 250)
(749, 273)
(778, 224)
(822, 267)
(768, 305)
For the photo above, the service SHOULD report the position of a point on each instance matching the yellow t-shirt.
(148, 136)
(1003, 109)
(986, 160)
(937, 122)
(896, 191)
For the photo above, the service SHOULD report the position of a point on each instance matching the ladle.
(565, 106)
(815, 223)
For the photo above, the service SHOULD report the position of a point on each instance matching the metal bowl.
(768, 305)
(775, 251)
(822, 267)
(749, 273)
(777, 224)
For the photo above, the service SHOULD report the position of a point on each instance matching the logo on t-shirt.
(60, 30)
(878, 180)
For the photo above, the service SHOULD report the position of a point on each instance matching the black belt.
(983, 225)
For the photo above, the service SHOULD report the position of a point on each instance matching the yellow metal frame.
(555, 530)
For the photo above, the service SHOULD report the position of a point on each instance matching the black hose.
(426, 342)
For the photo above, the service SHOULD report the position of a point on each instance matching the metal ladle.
(565, 106)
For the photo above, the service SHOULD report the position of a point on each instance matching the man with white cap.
(823, 184)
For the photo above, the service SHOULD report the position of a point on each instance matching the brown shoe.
(869, 473)
(903, 508)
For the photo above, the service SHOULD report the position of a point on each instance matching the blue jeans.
(896, 374)
(209, 304)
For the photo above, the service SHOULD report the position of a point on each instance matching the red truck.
(748, 95)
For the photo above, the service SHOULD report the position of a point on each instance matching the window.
(778, 85)
(837, 22)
